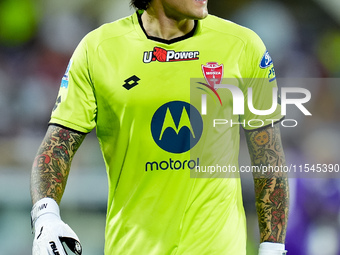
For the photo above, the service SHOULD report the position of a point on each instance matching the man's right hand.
(50, 232)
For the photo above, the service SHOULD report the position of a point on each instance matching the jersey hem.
(62, 126)
(69, 125)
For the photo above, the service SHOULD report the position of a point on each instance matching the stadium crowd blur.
(37, 39)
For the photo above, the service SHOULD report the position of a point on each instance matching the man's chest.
(143, 72)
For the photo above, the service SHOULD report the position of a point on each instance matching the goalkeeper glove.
(268, 248)
(50, 231)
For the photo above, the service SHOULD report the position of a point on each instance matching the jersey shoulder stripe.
(229, 28)
(111, 30)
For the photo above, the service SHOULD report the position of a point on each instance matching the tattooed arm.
(52, 163)
(271, 189)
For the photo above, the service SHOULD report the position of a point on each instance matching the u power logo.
(176, 126)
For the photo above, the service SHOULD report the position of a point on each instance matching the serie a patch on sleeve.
(266, 60)
(64, 80)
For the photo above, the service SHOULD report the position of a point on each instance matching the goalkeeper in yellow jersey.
(131, 80)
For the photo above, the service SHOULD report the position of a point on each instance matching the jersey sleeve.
(76, 104)
(258, 75)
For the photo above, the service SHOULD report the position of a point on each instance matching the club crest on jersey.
(266, 60)
(213, 73)
(162, 55)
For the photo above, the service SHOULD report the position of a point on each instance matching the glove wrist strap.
(269, 248)
(44, 206)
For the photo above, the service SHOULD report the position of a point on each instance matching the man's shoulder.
(110, 30)
(225, 27)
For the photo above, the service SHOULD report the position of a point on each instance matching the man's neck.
(158, 24)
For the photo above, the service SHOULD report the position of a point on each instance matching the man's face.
(185, 9)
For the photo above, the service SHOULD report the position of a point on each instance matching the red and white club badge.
(213, 73)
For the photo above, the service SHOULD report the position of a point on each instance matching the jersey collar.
(137, 20)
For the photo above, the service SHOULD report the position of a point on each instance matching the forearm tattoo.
(271, 188)
(52, 163)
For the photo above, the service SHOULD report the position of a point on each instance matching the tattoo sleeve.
(271, 188)
(52, 163)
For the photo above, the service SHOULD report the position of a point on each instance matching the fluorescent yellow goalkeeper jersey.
(145, 96)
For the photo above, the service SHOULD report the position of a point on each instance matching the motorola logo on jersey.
(163, 55)
(176, 126)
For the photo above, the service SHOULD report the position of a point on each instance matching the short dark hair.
(140, 4)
